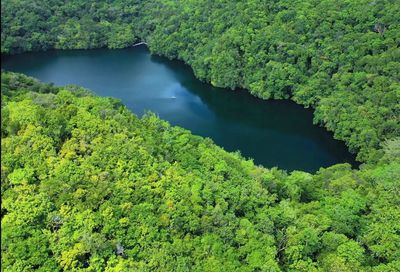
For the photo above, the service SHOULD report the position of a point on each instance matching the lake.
(273, 133)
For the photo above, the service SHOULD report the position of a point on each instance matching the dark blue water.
(273, 133)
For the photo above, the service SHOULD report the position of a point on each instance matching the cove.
(273, 133)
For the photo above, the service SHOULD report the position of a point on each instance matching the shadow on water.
(284, 116)
(273, 133)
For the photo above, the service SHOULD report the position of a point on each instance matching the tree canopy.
(88, 186)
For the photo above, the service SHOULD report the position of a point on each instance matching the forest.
(88, 186)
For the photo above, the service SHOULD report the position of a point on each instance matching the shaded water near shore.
(273, 133)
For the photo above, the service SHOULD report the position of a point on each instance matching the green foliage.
(88, 186)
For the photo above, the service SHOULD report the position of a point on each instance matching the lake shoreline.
(202, 105)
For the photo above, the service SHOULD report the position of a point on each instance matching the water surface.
(273, 133)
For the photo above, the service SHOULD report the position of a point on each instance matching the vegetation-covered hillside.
(341, 57)
(88, 186)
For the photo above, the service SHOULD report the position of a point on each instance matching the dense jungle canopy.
(88, 186)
